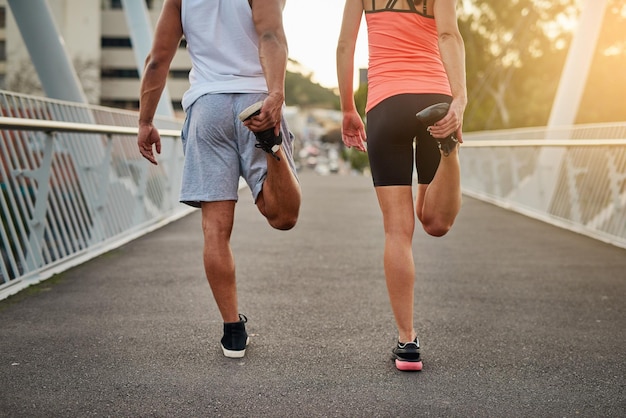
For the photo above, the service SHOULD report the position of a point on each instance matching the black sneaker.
(407, 356)
(235, 338)
(267, 141)
(435, 113)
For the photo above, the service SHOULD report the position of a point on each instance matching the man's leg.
(279, 200)
(219, 264)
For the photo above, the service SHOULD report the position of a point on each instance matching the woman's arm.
(452, 49)
(353, 131)
(353, 11)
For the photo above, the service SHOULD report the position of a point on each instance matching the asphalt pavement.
(516, 318)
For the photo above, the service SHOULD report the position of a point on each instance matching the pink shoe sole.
(409, 366)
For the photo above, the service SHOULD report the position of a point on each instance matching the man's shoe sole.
(235, 353)
(250, 111)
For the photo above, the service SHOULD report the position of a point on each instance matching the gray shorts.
(219, 150)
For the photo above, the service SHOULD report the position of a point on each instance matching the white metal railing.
(73, 185)
(573, 177)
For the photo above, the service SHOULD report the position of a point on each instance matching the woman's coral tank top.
(403, 56)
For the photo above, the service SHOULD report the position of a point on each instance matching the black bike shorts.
(392, 132)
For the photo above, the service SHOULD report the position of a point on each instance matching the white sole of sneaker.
(235, 353)
(250, 110)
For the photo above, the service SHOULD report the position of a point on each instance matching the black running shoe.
(235, 338)
(433, 114)
(407, 356)
(267, 141)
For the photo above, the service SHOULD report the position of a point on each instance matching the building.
(97, 39)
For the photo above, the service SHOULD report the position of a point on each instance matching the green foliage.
(515, 53)
(360, 99)
(301, 91)
(358, 160)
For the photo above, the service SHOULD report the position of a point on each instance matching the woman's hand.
(353, 131)
(449, 124)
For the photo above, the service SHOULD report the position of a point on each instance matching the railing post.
(174, 164)
(616, 179)
(572, 173)
(97, 232)
(41, 175)
(140, 201)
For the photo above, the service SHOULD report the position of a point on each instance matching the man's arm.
(267, 16)
(166, 40)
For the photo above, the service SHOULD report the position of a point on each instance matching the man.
(233, 127)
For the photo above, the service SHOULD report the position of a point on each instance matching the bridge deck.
(524, 319)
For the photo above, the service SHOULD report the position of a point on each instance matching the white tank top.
(223, 46)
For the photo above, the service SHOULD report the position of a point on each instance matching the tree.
(360, 99)
(300, 90)
(515, 53)
(24, 78)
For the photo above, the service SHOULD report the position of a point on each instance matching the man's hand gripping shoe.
(267, 141)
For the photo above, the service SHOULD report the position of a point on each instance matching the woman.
(416, 59)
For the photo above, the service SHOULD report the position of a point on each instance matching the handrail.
(569, 176)
(483, 143)
(66, 198)
(56, 126)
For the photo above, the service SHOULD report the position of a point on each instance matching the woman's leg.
(396, 203)
(438, 203)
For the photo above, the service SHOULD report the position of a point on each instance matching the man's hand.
(270, 116)
(147, 137)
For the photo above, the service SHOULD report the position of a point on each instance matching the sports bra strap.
(424, 6)
(390, 5)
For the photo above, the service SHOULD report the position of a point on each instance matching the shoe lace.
(267, 140)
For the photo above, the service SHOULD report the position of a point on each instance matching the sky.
(312, 29)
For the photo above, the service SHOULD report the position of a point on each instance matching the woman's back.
(403, 50)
